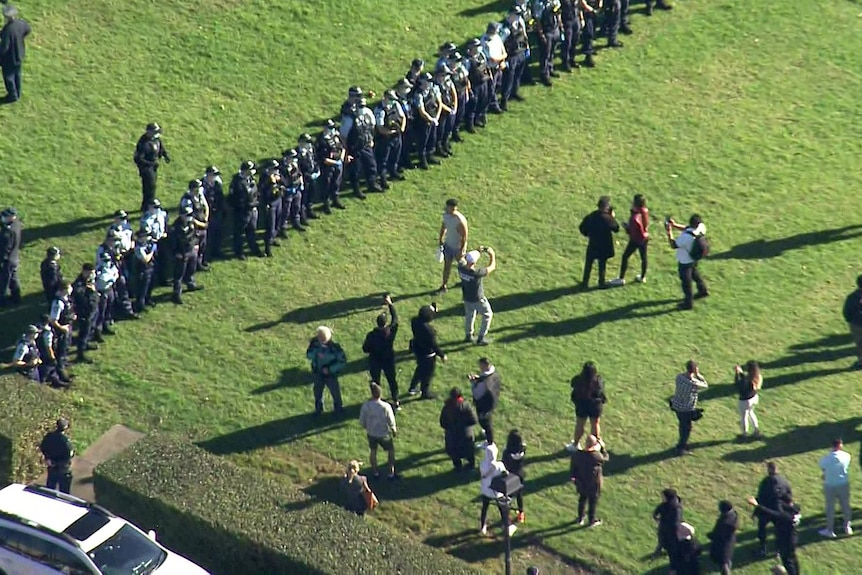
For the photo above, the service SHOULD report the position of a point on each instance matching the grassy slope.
(700, 112)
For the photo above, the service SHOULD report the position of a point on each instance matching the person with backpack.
(853, 316)
(691, 246)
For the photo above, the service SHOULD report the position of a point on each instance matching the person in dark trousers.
(327, 361)
(457, 420)
(684, 554)
(722, 538)
(12, 49)
(636, 228)
(599, 227)
(51, 272)
(853, 316)
(772, 489)
(486, 387)
(426, 349)
(684, 403)
(514, 460)
(379, 345)
(85, 301)
(10, 257)
(244, 198)
(786, 516)
(668, 516)
(148, 151)
(588, 395)
(58, 453)
(185, 243)
(660, 4)
(689, 246)
(586, 472)
(589, 10)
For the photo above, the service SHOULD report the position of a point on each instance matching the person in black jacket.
(381, 355)
(786, 517)
(722, 538)
(853, 316)
(773, 488)
(426, 349)
(486, 393)
(10, 259)
(12, 51)
(588, 395)
(668, 515)
(148, 151)
(457, 419)
(599, 227)
(685, 552)
(51, 272)
(514, 461)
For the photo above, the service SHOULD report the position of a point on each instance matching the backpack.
(699, 248)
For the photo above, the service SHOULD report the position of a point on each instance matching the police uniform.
(46, 343)
(481, 81)
(310, 168)
(10, 246)
(359, 133)
(589, 12)
(244, 199)
(426, 102)
(106, 278)
(58, 453)
(113, 247)
(61, 316)
(391, 123)
(461, 80)
(51, 273)
(571, 19)
(85, 299)
(27, 352)
(495, 50)
(404, 91)
(145, 265)
(294, 191)
(449, 99)
(195, 197)
(549, 24)
(185, 243)
(612, 19)
(271, 196)
(148, 151)
(214, 193)
(515, 41)
(331, 154)
(155, 222)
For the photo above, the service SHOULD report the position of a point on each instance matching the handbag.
(371, 501)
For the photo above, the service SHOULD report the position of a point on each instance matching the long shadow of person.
(799, 439)
(514, 301)
(764, 249)
(59, 230)
(493, 7)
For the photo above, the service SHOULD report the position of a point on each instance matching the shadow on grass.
(800, 439)
(515, 301)
(494, 8)
(72, 228)
(765, 249)
(279, 431)
(16, 319)
(301, 376)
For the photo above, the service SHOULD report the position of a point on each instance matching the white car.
(44, 532)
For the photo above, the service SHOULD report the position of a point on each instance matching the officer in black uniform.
(570, 16)
(331, 154)
(391, 123)
(294, 189)
(26, 359)
(589, 12)
(61, 319)
(428, 105)
(515, 40)
(145, 267)
(461, 79)
(58, 453)
(358, 129)
(481, 79)
(10, 246)
(148, 152)
(272, 198)
(548, 25)
(404, 91)
(612, 18)
(196, 198)
(85, 300)
(46, 344)
(214, 192)
(244, 198)
(185, 243)
(417, 68)
(310, 168)
(51, 272)
(444, 86)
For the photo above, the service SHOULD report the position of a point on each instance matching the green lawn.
(746, 112)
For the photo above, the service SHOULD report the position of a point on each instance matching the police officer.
(113, 247)
(404, 91)
(449, 103)
(244, 198)
(145, 265)
(589, 12)
(197, 199)
(155, 221)
(58, 453)
(10, 259)
(461, 79)
(417, 68)
(51, 272)
(331, 154)
(61, 319)
(26, 356)
(46, 343)
(428, 105)
(354, 94)
(271, 196)
(391, 124)
(548, 25)
(444, 53)
(514, 36)
(612, 19)
(185, 243)
(570, 16)
(294, 191)
(85, 300)
(214, 194)
(481, 80)
(358, 131)
(310, 168)
(124, 240)
(148, 151)
(495, 50)
(107, 274)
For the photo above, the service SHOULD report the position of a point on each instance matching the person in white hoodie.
(489, 469)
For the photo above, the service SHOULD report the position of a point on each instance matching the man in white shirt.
(495, 50)
(452, 240)
(835, 467)
(687, 258)
(378, 419)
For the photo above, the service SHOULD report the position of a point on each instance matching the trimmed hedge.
(233, 521)
(29, 411)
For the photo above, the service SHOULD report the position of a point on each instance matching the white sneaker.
(826, 533)
(572, 447)
(616, 282)
(640, 280)
(512, 529)
(484, 530)
(848, 530)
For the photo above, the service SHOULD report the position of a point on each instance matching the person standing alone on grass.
(748, 383)
(836, 485)
(426, 349)
(636, 228)
(378, 420)
(10, 249)
(586, 472)
(599, 227)
(588, 395)
(684, 403)
(452, 240)
(690, 247)
(486, 393)
(327, 360)
(58, 453)
(473, 293)
(853, 316)
(12, 49)
(378, 345)
(457, 420)
(148, 151)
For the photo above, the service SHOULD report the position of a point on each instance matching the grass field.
(746, 112)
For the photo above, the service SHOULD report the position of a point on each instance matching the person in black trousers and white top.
(486, 392)
(748, 383)
(686, 262)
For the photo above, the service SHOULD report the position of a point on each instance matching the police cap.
(156, 203)
(62, 424)
(417, 63)
(32, 330)
(473, 43)
(153, 127)
(305, 138)
(213, 170)
(447, 48)
(443, 70)
(457, 56)
(426, 77)
(273, 164)
(121, 215)
(105, 256)
(517, 9)
(290, 154)
(246, 166)
(142, 233)
(195, 184)
(390, 95)
(53, 251)
(354, 91)
(330, 124)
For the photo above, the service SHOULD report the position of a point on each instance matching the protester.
(722, 538)
(853, 316)
(748, 383)
(457, 420)
(690, 248)
(636, 228)
(452, 239)
(835, 468)
(588, 395)
(486, 386)
(684, 403)
(786, 516)
(685, 552)
(426, 350)
(599, 227)
(354, 487)
(668, 515)
(515, 462)
(378, 420)
(772, 489)
(489, 469)
(379, 345)
(586, 472)
(327, 360)
(473, 293)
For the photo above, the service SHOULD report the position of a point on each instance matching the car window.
(44, 551)
(86, 525)
(128, 552)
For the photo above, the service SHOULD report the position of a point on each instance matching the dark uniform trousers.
(376, 367)
(463, 102)
(479, 106)
(444, 129)
(291, 207)
(86, 323)
(409, 142)
(611, 20)
(213, 237)
(548, 48)
(329, 382)
(512, 76)
(12, 81)
(363, 164)
(244, 228)
(148, 185)
(60, 477)
(202, 246)
(273, 221)
(9, 282)
(388, 154)
(572, 34)
(61, 348)
(105, 313)
(331, 176)
(145, 284)
(688, 274)
(589, 33)
(426, 137)
(309, 192)
(495, 84)
(163, 260)
(122, 297)
(184, 270)
(424, 373)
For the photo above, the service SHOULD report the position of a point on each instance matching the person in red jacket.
(636, 228)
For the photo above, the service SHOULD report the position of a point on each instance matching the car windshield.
(128, 552)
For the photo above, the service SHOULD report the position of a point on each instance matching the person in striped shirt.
(684, 402)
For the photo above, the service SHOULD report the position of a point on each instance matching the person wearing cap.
(473, 293)
(12, 49)
(123, 238)
(358, 131)
(85, 300)
(548, 25)
(461, 79)
(589, 10)
(495, 50)
(327, 361)
(271, 188)
(61, 318)
(195, 197)
(444, 54)
(515, 41)
(155, 222)
(46, 342)
(348, 109)
(586, 472)
(378, 421)
(310, 168)
(684, 245)
(379, 344)
(391, 124)
(107, 274)
(417, 68)
(292, 208)
(51, 272)
(244, 198)
(599, 227)
(114, 246)
(449, 104)
(145, 265)
(26, 357)
(684, 402)
(570, 16)
(57, 451)
(684, 553)
(404, 91)
(148, 151)
(722, 538)
(10, 257)
(452, 239)
(426, 350)
(427, 101)
(481, 80)
(332, 153)
(185, 243)
(213, 188)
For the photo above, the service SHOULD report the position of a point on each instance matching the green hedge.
(29, 411)
(233, 521)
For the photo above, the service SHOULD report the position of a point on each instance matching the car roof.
(55, 513)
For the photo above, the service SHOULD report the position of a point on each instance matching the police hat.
(426, 77)
(62, 424)
(213, 170)
(443, 70)
(247, 166)
(474, 43)
(305, 138)
(273, 164)
(195, 184)
(330, 124)
(156, 203)
(363, 102)
(390, 95)
(457, 56)
(417, 63)
(447, 48)
(517, 9)
(9, 213)
(153, 127)
(32, 330)
(142, 233)
(354, 91)
(121, 215)
(105, 256)
(53, 251)
(291, 154)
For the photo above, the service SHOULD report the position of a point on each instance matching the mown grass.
(744, 112)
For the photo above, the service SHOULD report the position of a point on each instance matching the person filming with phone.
(473, 292)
